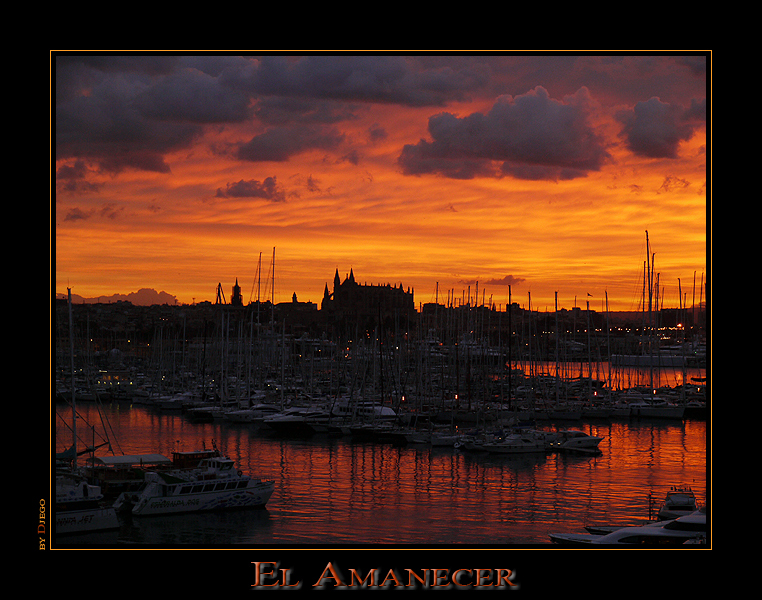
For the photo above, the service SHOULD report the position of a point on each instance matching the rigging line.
(84, 443)
(85, 421)
(107, 425)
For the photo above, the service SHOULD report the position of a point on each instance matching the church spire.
(237, 299)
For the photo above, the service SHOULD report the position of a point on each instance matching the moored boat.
(656, 408)
(679, 501)
(205, 414)
(444, 439)
(688, 529)
(518, 443)
(475, 442)
(383, 430)
(416, 436)
(363, 411)
(122, 473)
(298, 420)
(575, 441)
(214, 485)
(254, 414)
(597, 411)
(79, 507)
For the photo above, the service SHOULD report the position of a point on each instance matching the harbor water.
(341, 492)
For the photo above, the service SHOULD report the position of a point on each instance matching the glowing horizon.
(175, 173)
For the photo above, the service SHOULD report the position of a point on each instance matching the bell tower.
(237, 298)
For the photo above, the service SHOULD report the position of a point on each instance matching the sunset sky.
(543, 172)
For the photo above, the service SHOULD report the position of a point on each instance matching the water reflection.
(339, 491)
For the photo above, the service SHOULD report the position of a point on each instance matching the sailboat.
(79, 506)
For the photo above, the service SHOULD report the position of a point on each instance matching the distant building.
(237, 298)
(349, 299)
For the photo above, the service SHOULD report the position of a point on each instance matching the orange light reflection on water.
(338, 491)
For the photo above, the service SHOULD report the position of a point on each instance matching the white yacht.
(518, 443)
(474, 442)
(254, 414)
(690, 528)
(577, 441)
(363, 410)
(656, 408)
(79, 507)
(297, 420)
(214, 485)
(679, 501)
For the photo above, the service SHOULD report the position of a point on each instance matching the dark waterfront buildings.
(352, 309)
(353, 312)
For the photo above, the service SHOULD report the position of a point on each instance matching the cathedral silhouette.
(350, 299)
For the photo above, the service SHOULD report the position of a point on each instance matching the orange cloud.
(422, 171)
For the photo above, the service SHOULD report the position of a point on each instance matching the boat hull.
(514, 449)
(518, 445)
(85, 520)
(444, 440)
(574, 539)
(657, 412)
(576, 441)
(255, 495)
(679, 502)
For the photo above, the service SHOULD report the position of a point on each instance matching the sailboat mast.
(557, 377)
(608, 339)
(510, 351)
(272, 294)
(73, 389)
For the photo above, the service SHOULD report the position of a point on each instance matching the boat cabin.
(116, 474)
(165, 485)
(680, 500)
(219, 464)
(191, 460)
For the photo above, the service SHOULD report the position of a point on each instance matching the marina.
(351, 490)
(381, 321)
(440, 436)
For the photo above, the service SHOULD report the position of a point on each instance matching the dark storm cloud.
(104, 123)
(655, 129)
(279, 144)
(192, 96)
(117, 112)
(71, 178)
(267, 189)
(324, 90)
(386, 79)
(532, 136)
(276, 111)
(130, 111)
